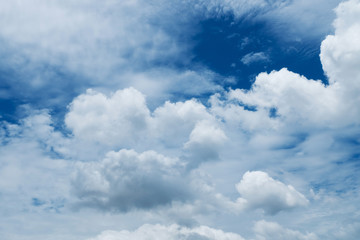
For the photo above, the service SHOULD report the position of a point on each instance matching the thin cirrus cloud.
(251, 58)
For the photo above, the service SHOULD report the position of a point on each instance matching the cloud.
(204, 143)
(32, 170)
(127, 180)
(258, 190)
(173, 122)
(63, 48)
(132, 43)
(349, 231)
(301, 129)
(301, 20)
(290, 20)
(117, 120)
(293, 97)
(123, 120)
(273, 231)
(172, 232)
(238, 8)
(252, 57)
(340, 53)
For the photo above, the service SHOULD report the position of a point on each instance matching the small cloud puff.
(255, 57)
(258, 190)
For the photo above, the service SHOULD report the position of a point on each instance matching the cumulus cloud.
(172, 232)
(301, 120)
(117, 120)
(340, 54)
(258, 190)
(273, 231)
(293, 98)
(204, 143)
(126, 180)
(173, 122)
(123, 120)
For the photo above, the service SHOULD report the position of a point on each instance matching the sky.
(180, 120)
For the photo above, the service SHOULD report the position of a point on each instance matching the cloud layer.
(127, 150)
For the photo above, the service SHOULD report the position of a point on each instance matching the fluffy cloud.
(173, 122)
(273, 231)
(292, 97)
(340, 54)
(172, 232)
(205, 143)
(123, 120)
(126, 179)
(301, 127)
(297, 100)
(258, 190)
(115, 121)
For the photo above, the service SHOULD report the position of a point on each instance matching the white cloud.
(127, 43)
(128, 180)
(172, 232)
(285, 123)
(123, 120)
(273, 231)
(115, 121)
(258, 190)
(63, 48)
(205, 142)
(173, 122)
(340, 54)
(33, 175)
(295, 98)
(55, 31)
(252, 57)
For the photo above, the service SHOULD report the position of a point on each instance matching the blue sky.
(179, 119)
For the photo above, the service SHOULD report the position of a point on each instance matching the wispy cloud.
(251, 58)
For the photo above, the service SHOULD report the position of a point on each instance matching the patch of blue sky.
(225, 41)
(37, 202)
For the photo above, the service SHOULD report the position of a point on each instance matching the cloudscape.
(195, 119)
